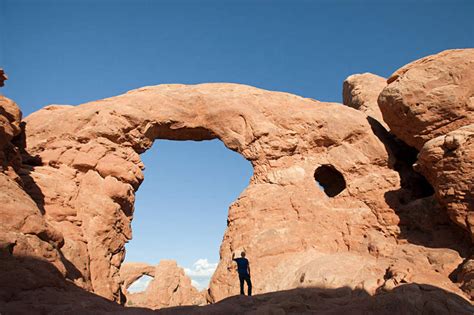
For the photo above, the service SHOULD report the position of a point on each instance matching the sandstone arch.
(90, 169)
(169, 286)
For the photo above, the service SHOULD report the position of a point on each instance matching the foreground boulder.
(405, 299)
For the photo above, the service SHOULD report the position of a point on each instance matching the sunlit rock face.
(429, 104)
(169, 286)
(375, 228)
(447, 162)
(23, 228)
(360, 91)
(29, 256)
(285, 223)
(294, 234)
(430, 96)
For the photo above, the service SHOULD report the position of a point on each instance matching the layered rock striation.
(360, 91)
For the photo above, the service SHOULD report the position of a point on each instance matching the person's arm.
(248, 268)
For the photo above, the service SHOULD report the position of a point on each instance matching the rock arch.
(131, 272)
(282, 220)
(169, 286)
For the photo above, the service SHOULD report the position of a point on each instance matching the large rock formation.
(169, 287)
(23, 228)
(131, 272)
(293, 232)
(429, 104)
(373, 229)
(430, 97)
(32, 269)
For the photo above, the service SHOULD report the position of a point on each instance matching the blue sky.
(70, 52)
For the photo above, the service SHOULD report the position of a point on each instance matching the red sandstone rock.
(27, 240)
(448, 163)
(466, 277)
(429, 104)
(170, 286)
(430, 97)
(292, 231)
(131, 272)
(372, 234)
(3, 77)
(361, 91)
(10, 118)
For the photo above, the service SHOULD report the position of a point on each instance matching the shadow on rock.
(402, 157)
(31, 285)
(422, 220)
(405, 299)
(28, 164)
(35, 286)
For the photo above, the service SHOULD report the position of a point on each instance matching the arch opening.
(181, 208)
(140, 285)
(330, 179)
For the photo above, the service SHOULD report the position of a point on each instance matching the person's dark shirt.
(242, 264)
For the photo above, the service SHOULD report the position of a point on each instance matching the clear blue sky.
(70, 52)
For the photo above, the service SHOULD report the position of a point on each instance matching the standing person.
(243, 268)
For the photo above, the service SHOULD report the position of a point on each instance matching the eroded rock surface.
(169, 287)
(10, 119)
(430, 96)
(361, 91)
(289, 227)
(405, 299)
(429, 104)
(131, 272)
(27, 241)
(448, 163)
(3, 77)
(373, 233)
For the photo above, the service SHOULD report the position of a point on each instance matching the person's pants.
(245, 278)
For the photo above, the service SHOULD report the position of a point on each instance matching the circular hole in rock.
(330, 179)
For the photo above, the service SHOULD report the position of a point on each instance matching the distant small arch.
(141, 284)
(330, 179)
